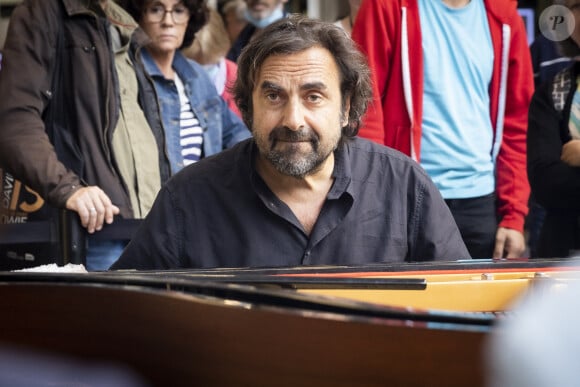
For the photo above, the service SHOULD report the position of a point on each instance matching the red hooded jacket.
(389, 33)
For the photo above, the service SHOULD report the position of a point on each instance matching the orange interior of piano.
(462, 291)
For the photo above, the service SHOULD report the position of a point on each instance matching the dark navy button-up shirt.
(382, 207)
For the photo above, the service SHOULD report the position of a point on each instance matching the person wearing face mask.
(260, 14)
(196, 122)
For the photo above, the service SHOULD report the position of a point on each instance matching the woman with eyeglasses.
(196, 121)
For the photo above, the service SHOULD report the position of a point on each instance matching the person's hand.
(571, 153)
(93, 206)
(508, 243)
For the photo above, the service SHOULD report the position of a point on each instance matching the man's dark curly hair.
(199, 15)
(296, 34)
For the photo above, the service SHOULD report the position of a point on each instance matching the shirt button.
(306, 254)
(272, 205)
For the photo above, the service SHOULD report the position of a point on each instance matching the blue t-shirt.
(457, 131)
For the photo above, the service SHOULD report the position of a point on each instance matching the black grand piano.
(375, 325)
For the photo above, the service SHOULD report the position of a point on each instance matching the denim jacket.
(221, 127)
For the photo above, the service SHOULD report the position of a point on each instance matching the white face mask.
(277, 14)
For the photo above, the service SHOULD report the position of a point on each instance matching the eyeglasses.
(156, 13)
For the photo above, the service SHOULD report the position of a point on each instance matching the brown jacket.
(88, 98)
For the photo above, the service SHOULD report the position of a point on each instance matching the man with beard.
(304, 190)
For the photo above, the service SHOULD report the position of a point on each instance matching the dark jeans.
(102, 254)
(476, 219)
(534, 223)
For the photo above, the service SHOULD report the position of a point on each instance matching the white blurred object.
(54, 268)
(20, 367)
(540, 345)
(217, 72)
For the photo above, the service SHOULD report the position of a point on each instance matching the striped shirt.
(190, 133)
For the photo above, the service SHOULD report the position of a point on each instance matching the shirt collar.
(150, 65)
(342, 172)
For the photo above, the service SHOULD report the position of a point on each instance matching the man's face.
(297, 111)
(260, 9)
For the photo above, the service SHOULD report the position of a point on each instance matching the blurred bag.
(20, 208)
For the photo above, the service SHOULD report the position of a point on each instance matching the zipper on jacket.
(505, 47)
(406, 69)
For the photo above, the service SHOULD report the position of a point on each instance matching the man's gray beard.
(300, 168)
(291, 161)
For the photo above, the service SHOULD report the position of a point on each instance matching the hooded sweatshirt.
(389, 33)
